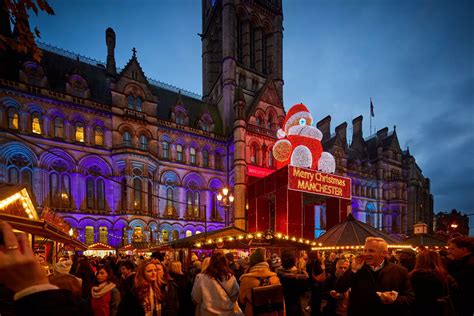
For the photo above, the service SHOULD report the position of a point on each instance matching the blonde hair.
(205, 263)
(175, 267)
(380, 241)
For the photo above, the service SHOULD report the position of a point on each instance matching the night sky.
(414, 58)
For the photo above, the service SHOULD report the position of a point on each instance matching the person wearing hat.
(275, 262)
(258, 269)
(63, 266)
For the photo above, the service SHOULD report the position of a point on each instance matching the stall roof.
(100, 246)
(191, 240)
(352, 232)
(41, 228)
(424, 240)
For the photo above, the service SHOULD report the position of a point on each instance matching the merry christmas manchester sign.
(310, 169)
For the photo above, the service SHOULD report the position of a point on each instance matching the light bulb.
(231, 198)
(225, 191)
(219, 197)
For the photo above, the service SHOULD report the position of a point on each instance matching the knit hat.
(296, 112)
(63, 266)
(276, 261)
(257, 256)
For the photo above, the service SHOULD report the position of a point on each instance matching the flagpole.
(370, 115)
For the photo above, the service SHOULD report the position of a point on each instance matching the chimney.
(357, 128)
(341, 132)
(110, 41)
(325, 127)
(382, 133)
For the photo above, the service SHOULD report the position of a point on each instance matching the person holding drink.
(378, 287)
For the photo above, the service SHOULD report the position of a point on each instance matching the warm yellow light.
(231, 198)
(198, 245)
(225, 191)
(279, 235)
(259, 235)
(241, 237)
(287, 237)
(71, 232)
(219, 197)
(307, 241)
(320, 244)
(293, 238)
(249, 236)
(230, 238)
(219, 240)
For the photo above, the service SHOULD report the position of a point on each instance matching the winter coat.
(428, 289)
(211, 297)
(463, 272)
(250, 280)
(293, 282)
(364, 284)
(105, 299)
(184, 294)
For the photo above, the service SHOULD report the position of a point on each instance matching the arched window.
(124, 194)
(89, 235)
(100, 194)
(253, 154)
(131, 102)
(218, 161)
(137, 194)
(79, 132)
(192, 155)
(138, 104)
(258, 121)
(169, 201)
(98, 136)
(35, 123)
(165, 150)
(150, 198)
(196, 202)
(143, 142)
(13, 121)
(188, 233)
(58, 127)
(60, 190)
(205, 158)
(179, 152)
(164, 235)
(270, 158)
(180, 119)
(90, 192)
(270, 121)
(13, 176)
(127, 139)
(189, 203)
(103, 238)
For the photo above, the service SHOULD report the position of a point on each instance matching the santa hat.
(296, 112)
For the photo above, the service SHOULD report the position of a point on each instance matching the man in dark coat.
(377, 287)
(461, 267)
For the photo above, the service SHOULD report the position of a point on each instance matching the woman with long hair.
(105, 297)
(146, 297)
(217, 290)
(430, 281)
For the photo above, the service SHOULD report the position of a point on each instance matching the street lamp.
(225, 199)
(454, 225)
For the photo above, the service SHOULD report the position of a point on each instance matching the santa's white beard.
(305, 130)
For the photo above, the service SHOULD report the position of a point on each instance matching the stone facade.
(125, 158)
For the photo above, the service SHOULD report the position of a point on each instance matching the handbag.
(237, 310)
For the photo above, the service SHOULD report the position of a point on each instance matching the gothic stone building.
(126, 158)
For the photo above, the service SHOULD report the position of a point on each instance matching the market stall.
(99, 250)
(425, 240)
(350, 235)
(50, 236)
(234, 240)
(127, 250)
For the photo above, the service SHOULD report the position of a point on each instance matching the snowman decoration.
(299, 142)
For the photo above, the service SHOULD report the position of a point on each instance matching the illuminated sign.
(258, 172)
(312, 181)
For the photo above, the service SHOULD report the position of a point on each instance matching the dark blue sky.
(414, 58)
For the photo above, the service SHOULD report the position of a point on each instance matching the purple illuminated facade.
(124, 158)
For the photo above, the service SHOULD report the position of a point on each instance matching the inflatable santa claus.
(299, 142)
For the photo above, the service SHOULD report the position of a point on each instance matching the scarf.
(102, 289)
(151, 304)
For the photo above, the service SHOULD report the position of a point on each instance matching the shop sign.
(312, 181)
(258, 172)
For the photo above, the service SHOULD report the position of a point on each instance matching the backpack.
(268, 298)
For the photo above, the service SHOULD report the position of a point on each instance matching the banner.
(258, 172)
(312, 181)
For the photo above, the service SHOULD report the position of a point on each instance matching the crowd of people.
(371, 283)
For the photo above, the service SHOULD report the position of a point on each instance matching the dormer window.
(33, 74)
(206, 123)
(35, 123)
(180, 120)
(77, 86)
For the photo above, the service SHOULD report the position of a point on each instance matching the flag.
(371, 108)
